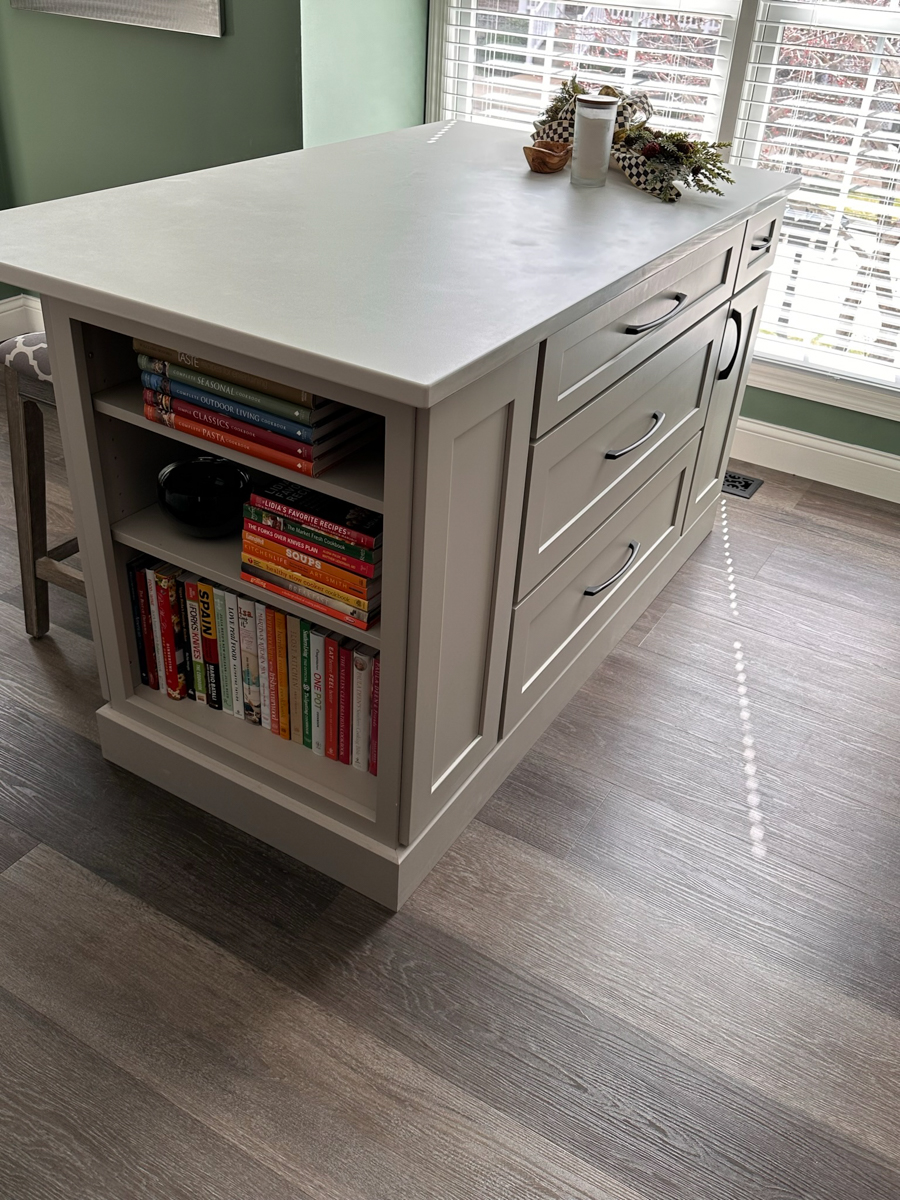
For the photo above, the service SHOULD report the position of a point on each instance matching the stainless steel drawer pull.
(680, 298)
(761, 243)
(658, 419)
(635, 548)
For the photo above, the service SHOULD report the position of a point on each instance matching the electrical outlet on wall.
(183, 16)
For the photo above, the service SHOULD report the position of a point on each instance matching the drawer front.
(735, 357)
(588, 356)
(560, 618)
(578, 473)
(760, 244)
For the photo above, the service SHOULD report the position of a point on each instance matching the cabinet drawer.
(553, 625)
(760, 244)
(584, 469)
(588, 356)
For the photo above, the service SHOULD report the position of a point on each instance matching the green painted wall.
(825, 420)
(363, 67)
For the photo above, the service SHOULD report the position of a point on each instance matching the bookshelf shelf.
(217, 559)
(358, 479)
(257, 750)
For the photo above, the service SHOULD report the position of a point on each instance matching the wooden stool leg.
(26, 441)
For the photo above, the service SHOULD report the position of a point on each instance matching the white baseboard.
(871, 472)
(20, 314)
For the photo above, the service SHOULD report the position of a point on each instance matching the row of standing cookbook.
(301, 682)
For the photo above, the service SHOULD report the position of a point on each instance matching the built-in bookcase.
(238, 763)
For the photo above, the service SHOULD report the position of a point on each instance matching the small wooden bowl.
(547, 157)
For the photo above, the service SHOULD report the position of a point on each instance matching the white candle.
(595, 122)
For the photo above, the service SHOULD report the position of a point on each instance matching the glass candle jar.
(595, 123)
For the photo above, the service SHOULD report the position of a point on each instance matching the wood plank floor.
(663, 964)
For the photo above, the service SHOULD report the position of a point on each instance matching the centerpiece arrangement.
(654, 160)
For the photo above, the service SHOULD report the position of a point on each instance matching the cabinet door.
(471, 454)
(735, 356)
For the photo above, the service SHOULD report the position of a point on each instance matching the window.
(810, 86)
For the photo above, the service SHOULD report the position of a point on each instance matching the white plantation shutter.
(821, 97)
(502, 60)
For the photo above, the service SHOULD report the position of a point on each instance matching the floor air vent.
(740, 485)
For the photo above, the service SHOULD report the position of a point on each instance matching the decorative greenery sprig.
(560, 102)
(674, 158)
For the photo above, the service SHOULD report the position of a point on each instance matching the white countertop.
(406, 264)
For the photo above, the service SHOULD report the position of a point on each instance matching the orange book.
(229, 440)
(316, 586)
(284, 714)
(306, 603)
(311, 568)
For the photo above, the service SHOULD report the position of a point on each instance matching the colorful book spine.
(246, 615)
(131, 571)
(354, 558)
(262, 645)
(317, 637)
(195, 636)
(207, 434)
(146, 623)
(296, 430)
(373, 724)
(310, 565)
(234, 655)
(306, 684)
(333, 597)
(150, 579)
(224, 651)
(287, 500)
(284, 708)
(362, 707)
(216, 420)
(170, 632)
(273, 669)
(230, 391)
(331, 696)
(271, 584)
(345, 699)
(185, 639)
(209, 635)
(295, 677)
(184, 358)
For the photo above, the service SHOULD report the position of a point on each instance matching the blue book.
(231, 408)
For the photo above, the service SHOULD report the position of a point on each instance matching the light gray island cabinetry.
(557, 372)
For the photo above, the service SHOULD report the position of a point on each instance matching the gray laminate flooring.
(662, 965)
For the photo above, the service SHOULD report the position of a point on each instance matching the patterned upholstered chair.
(25, 365)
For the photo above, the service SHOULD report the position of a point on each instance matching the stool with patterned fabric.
(25, 366)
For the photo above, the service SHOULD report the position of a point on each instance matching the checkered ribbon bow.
(634, 109)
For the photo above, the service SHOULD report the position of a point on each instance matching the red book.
(286, 594)
(217, 420)
(285, 499)
(140, 581)
(272, 681)
(373, 738)
(331, 696)
(323, 553)
(345, 698)
(170, 632)
(228, 440)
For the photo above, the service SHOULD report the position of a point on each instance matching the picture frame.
(202, 17)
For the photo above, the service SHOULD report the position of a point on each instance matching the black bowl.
(205, 495)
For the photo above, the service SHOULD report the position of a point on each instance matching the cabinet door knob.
(658, 419)
(735, 316)
(680, 298)
(634, 548)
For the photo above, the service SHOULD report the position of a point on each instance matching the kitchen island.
(557, 373)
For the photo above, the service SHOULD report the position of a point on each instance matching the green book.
(307, 684)
(308, 534)
(224, 642)
(232, 391)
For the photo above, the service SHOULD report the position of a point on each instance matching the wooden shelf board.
(219, 560)
(358, 479)
(262, 751)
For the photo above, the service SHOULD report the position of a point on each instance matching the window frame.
(804, 382)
